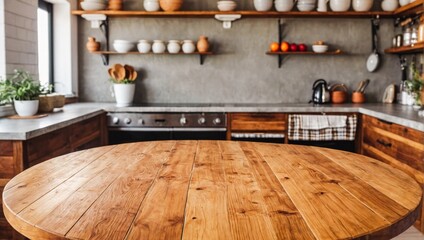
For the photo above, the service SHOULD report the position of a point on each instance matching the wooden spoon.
(110, 72)
(134, 76)
(129, 70)
(119, 72)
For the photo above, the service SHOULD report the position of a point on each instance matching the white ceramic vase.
(158, 46)
(174, 46)
(144, 46)
(26, 108)
(262, 5)
(124, 94)
(188, 46)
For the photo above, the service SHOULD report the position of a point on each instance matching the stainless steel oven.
(134, 126)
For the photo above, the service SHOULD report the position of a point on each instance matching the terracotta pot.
(358, 97)
(92, 45)
(202, 44)
(115, 5)
(170, 5)
(338, 93)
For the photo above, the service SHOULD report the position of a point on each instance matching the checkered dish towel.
(322, 127)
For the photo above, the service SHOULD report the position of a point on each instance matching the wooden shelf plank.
(269, 14)
(150, 53)
(306, 53)
(411, 8)
(416, 48)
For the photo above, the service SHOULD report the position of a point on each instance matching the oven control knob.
(127, 120)
(115, 120)
(201, 121)
(140, 121)
(183, 121)
(217, 121)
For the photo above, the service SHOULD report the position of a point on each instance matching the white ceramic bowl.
(123, 46)
(226, 6)
(262, 5)
(305, 7)
(320, 48)
(307, 1)
(151, 5)
(92, 6)
(362, 5)
(283, 5)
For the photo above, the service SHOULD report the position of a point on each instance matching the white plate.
(372, 62)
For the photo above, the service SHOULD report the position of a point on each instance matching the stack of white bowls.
(284, 5)
(93, 5)
(306, 5)
(227, 5)
(151, 5)
(123, 46)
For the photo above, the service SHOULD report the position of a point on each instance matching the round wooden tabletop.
(211, 190)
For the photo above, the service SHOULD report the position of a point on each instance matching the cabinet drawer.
(399, 130)
(85, 131)
(384, 137)
(265, 122)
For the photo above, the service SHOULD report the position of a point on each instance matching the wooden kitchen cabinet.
(265, 125)
(16, 156)
(399, 146)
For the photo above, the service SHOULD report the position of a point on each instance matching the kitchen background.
(239, 71)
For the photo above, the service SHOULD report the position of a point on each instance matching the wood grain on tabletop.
(211, 190)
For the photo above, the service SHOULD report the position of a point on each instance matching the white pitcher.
(322, 5)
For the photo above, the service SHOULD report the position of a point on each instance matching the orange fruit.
(274, 47)
(285, 46)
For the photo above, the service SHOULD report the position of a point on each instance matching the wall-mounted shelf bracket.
(227, 19)
(202, 59)
(104, 27)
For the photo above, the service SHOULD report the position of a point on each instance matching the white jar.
(389, 5)
(188, 46)
(158, 46)
(151, 5)
(262, 5)
(174, 46)
(362, 5)
(404, 2)
(339, 5)
(144, 46)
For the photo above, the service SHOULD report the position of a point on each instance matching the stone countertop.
(23, 129)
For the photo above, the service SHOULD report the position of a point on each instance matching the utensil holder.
(358, 97)
(338, 93)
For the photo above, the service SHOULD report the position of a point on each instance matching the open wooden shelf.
(416, 48)
(306, 53)
(413, 8)
(282, 54)
(250, 14)
(150, 53)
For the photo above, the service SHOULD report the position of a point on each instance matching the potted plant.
(123, 79)
(23, 91)
(415, 86)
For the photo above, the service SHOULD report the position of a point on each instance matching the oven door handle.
(257, 135)
(145, 129)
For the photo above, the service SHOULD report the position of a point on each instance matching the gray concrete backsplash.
(239, 71)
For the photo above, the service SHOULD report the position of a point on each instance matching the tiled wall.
(21, 35)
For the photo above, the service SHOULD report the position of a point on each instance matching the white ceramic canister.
(174, 46)
(322, 5)
(188, 46)
(389, 5)
(404, 2)
(158, 46)
(151, 5)
(144, 46)
(262, 5)
(339, 5)
(362, 5)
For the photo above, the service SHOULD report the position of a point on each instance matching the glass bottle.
(407, 37)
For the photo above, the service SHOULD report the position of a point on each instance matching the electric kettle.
(320, 92)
